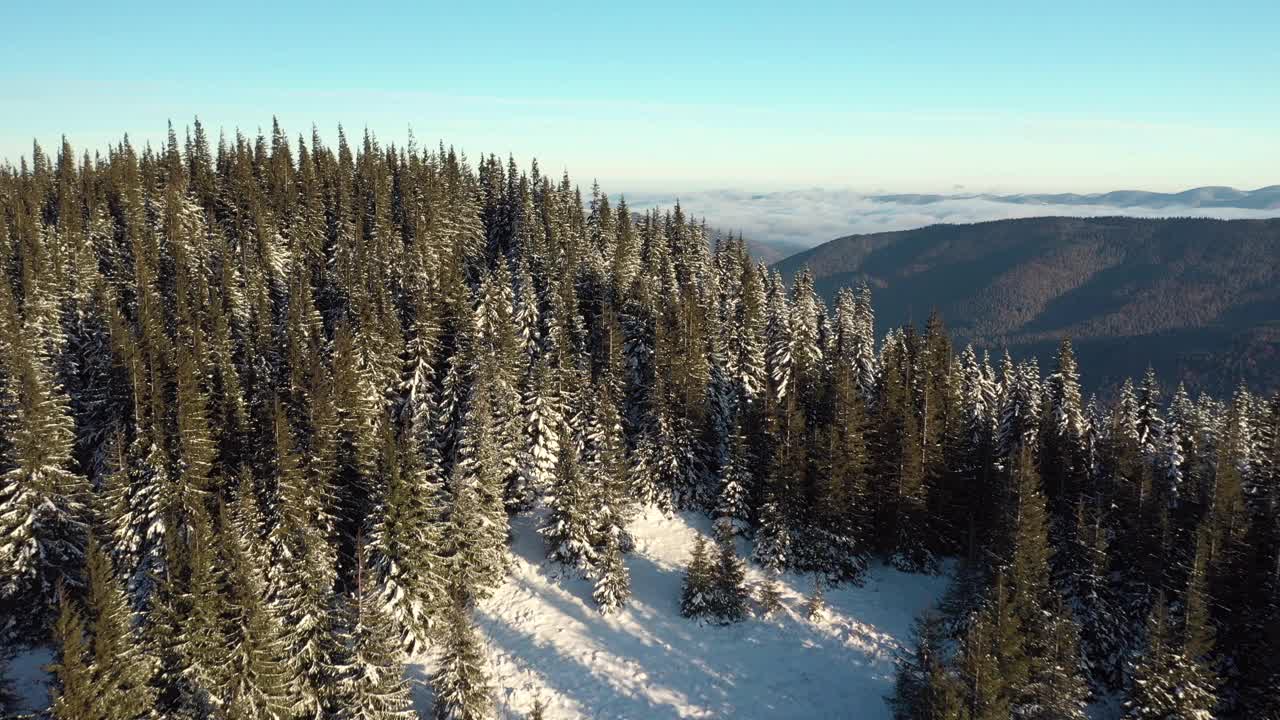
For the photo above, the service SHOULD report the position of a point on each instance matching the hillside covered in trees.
(268, 406)
(1197, 299)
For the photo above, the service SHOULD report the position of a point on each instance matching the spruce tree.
(815, 605)
(74, 694)
(372, 685)
(728, 587)
(697, 591)
(568, 530)
(121, 671)
(924, 687)
(254, 681)
(460, 682)
(404, 541)
(1167, 683)
(43, 501)
(770, 596)
(612, 580)
(733, 503)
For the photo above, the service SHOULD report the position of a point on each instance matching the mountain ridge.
(1198, 299)
(1208, 196)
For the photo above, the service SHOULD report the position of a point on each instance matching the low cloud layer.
(811, 217)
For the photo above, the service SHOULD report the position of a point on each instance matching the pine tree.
(460, 682)
(769, 596)
(986, 695)
(924, 688)
(728, 587)
(568, 528)
(815, 605)
(121, 672)
(74, 694)
(697, 591)
(735, 480)
(476, 536)
(254, 680)
(301, 580)
(43, 502)
(404, 541)
(612, 580)
(372, 685)
(1166, 683)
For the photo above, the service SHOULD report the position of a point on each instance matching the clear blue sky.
(922, 96)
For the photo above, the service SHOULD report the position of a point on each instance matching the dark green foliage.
(74, 696)
(612, 580)
(696, 594)
(372, 685)
(770, 596)
(1166, 682)
(122, 672)
(924, 687)
(460, 681)
(728, 586)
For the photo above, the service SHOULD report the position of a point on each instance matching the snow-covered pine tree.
(778, 359)
(254, 679)
(541, 429)
(1092, 598)
(73, 693)
(184, 628)
(728, 588)
(460, 681)
(301, 580)
(770, 595)
(924, 688)
(372, 685)
(1150, 423)
(43, 501)
(404, 539)
(841, 513)
(612, 580)
(135, 492)
(863, 343)
(568, 530)
(1167, 683)
(476, 537)
(608, 461)
(773, 538)
(815, 605)
(732, 506)
(1063, 432)
(121, 670)
(697, 590)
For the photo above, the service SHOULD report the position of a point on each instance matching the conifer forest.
(269, 408)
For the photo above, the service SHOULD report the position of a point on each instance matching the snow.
(546, 639)
(27, 677)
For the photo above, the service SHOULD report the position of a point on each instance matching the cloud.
(814, 216)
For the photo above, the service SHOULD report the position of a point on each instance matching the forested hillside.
(1197, 299)
(268, 407)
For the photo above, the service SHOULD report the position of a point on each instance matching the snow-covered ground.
(28, 679)
(547, 640)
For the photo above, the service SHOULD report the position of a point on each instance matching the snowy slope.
(28, 679)
(547, 640)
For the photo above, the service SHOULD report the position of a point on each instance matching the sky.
(934, 96)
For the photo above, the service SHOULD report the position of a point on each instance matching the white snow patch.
(27, 677)
(547, 640)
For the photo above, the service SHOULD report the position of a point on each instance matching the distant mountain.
(1198, 299)
(1267, 198)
